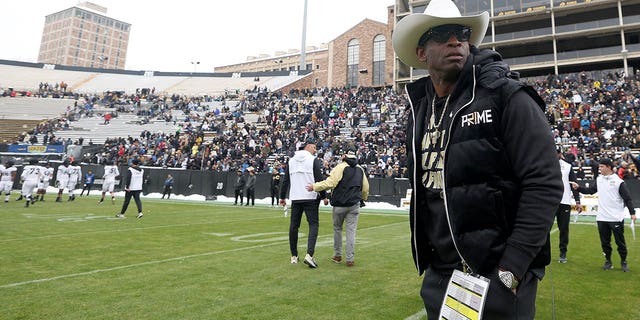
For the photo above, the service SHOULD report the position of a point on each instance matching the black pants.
(275, 196)
(127, 198)
(251, 195)
(310, 208)
(563, 215)
(167, 192)
(605, 229)
(86, 187)
(238, 194)
(501, 303)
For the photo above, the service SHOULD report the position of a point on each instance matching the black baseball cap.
(607, 162)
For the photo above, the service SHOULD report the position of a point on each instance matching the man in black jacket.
(481, 162)
(238, 186)
(275, 187)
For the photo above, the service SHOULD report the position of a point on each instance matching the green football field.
(212, 260)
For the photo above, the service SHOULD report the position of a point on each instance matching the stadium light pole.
(625, 55)
(195, 65)
(102, 59)
(303, 50)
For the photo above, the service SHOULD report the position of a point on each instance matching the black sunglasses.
(441, 34)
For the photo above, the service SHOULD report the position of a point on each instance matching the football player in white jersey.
(30, 177)
(7, 178)
(47, 175)
(62, 178)
(110, 173)
(75, 173)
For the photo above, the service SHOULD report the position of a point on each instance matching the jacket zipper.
(465, 266)
(414, 204)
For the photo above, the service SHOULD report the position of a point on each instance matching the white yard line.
(72, 275)
(422, 314)
(17, 284)
(130, 229)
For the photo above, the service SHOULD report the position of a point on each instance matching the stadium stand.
(27, 78)
(224, 122)
(126, 83)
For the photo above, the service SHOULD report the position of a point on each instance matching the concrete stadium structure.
(550, 37)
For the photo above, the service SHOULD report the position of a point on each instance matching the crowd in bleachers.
(223, 140)
(592, 116)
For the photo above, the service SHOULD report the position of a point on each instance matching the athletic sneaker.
(120, 215)
(607, 265)
(139, 215)
(563, 258)
(310, 261)
(294, 259)
(350, 263)
(624, 266)
(336, 259)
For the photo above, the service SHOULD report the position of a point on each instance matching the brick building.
(361, 56)
(84, 36)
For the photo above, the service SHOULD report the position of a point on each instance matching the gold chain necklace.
(434, 131)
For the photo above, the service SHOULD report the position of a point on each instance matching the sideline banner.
(27, 148)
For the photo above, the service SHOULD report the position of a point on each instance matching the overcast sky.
(169, 35)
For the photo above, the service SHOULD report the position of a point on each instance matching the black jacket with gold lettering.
(502, 181)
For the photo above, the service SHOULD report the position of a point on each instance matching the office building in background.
(84, 36)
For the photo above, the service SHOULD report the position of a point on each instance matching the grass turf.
(210, 260)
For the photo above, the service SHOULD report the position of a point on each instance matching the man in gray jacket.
(251, 186)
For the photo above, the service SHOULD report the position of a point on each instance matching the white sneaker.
(308, 260)
(120, 215)
(294, 259)
(139, 215)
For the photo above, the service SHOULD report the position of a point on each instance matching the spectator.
(168, 186)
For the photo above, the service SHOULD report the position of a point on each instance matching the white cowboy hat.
(439, 12)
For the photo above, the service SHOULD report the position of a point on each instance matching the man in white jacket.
(302, 169)
(613, 196)
(563, 214)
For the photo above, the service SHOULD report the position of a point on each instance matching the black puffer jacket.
(502, 179)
